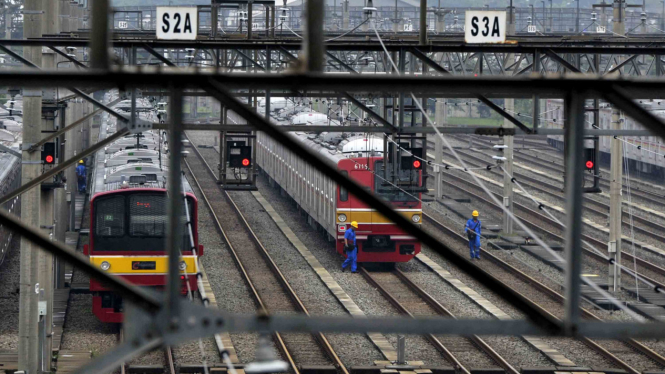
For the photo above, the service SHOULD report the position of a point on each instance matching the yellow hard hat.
(475, 213)
(80, 161)
(354, 224)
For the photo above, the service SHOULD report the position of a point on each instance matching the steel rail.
(320, 337)
(445, 312)
(556, 167)
(441, 310)
(279, 342)
(637, 346)
(600, 245)
(532, 182)
(170, 362)
(447, 354)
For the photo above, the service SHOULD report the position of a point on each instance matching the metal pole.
(175, 211)
(616, 175)
(249, 19)
(99, 38)
(313, 44)
(509, 142)
(28, 351)
(423, 22)
(574, 138)
(577, 18)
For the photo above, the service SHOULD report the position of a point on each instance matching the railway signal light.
(48, 153)
(240, 156)
(414, 160)
(590, 158)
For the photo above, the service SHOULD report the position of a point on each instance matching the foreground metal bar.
(430, 85)
(80, 93)
(4, 148)
(512, 297)
(175, 208)
(431, 63)
(140, 297)
(386, 125)
(619, 97)
(68, 57)
(63, 165)
(68, 127)
(574, 156)
(404, 130)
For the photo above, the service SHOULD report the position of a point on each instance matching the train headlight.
(415, 218)
(183, 265)
(105, 265)
(342, 217)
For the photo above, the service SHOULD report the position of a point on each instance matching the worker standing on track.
(350, 248)
(80, 176)
(472, 229)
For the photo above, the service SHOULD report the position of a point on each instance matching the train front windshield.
(135, 222)
(396, 189)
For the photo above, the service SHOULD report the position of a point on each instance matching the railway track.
(648, 270)
(411, 300)
(557, 167)
(269, 287)
(592, 206)
(619, 353)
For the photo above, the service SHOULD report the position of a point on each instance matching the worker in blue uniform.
(351, 248)
(472, 229)
(80, 176)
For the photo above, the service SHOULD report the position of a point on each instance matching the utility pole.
(345, 15)
(508, 141)
(47, 205)
(616, 174)
(577, 18)
(423, 22)
(28, 355)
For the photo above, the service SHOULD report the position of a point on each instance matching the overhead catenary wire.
(543, 207)
(498, 203)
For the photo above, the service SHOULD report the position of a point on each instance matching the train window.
(343, 193)
(110, 216)
(147, 215)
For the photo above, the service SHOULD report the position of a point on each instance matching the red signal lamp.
(245, 162)
(589, 164)
(416, 164)
(49, 159)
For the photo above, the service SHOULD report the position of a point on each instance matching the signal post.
(616, 175)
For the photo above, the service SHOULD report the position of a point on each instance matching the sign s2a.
(177, 23)
(483, 27)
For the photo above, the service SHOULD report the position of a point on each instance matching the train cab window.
(406, 179)
(110, 216)
(343, 193)
(147, 215)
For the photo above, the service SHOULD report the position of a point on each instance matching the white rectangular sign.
(483, 27)
(177, 23)
(123, 24)
(600, 29)
(531, 29)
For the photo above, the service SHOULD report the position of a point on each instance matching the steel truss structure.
(165, 319)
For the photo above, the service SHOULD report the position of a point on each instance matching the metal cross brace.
(431, 63)
(82, 94)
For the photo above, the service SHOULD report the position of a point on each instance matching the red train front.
(128, 239)
(378, 239)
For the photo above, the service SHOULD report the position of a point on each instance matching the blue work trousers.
(474, 248)
(351, 258)
(81, 184)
